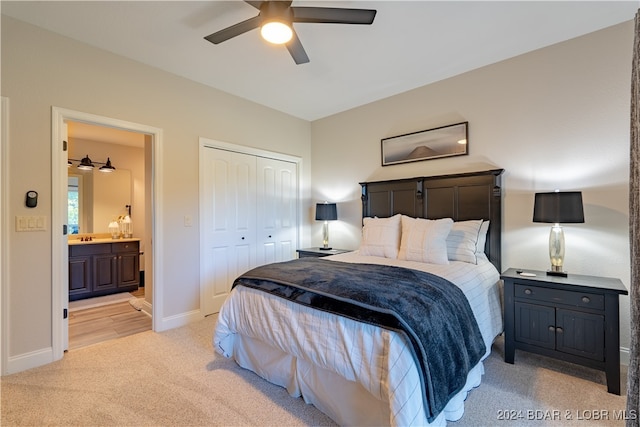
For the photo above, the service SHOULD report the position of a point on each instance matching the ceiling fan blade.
(235, 30)
(332, 15)
(296, 50)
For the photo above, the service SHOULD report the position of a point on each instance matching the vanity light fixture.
(107, 166)
(86, 164)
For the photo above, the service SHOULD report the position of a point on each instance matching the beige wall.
(41, 69)
(554, 118)
(123, 158)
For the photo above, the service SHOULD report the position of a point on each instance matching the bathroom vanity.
(103, 266)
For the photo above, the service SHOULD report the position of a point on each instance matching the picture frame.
(445, 141)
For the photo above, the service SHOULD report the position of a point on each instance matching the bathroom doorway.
(148, 207)
(106, 189)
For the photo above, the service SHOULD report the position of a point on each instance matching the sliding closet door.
(277, 224)
(229, 232)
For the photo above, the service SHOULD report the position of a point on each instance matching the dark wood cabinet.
(104, 271)
(128, 264)
(97, 269)
(79, 275)
(574, 318)
(319, 253)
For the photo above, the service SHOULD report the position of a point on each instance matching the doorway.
(106, 187)
(59, 220)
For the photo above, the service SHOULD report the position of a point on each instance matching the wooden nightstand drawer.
(577, 299)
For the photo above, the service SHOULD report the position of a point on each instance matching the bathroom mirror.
(96, 198)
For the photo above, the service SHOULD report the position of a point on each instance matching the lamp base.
(325, 249)
(557, 273)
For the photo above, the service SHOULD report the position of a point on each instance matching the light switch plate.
(31, 223)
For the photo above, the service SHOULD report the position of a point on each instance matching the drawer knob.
(586, 299)
(528, 292)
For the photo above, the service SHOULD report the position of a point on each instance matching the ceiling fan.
(276, 18)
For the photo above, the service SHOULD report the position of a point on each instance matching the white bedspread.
(375, 358)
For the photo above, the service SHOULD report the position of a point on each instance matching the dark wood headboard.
(463, 196)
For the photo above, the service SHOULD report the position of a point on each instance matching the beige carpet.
(174, 378)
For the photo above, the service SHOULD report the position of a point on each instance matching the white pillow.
(424, 240)
(482, 237)
(381, 237)
(466, 240)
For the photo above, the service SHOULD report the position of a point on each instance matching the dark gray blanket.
(431, 312)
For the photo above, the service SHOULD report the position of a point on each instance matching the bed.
(364, 364)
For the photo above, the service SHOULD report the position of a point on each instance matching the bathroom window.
(73, 211)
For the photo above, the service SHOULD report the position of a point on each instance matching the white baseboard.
(29, 360)
(624, 356)
(147, 308)
(178, 320)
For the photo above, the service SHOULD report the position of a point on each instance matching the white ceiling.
(410, 44)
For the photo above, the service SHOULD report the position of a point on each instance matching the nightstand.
(318, 253)
(574, 318)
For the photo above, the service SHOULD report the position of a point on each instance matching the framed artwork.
(445, 141)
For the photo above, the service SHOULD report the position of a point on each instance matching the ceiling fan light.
(276, 32)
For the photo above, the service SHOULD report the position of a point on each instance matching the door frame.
(205, 143)
(59, 251)
(4, 227)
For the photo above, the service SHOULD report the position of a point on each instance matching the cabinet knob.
(242, 238)
(559, 330)
(269, 235)
(551, 328)
(528, 291)
(585, 299)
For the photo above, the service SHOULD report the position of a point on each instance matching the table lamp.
(326, 212)
(558, 208)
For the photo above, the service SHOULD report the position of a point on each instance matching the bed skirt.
(346, 402)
